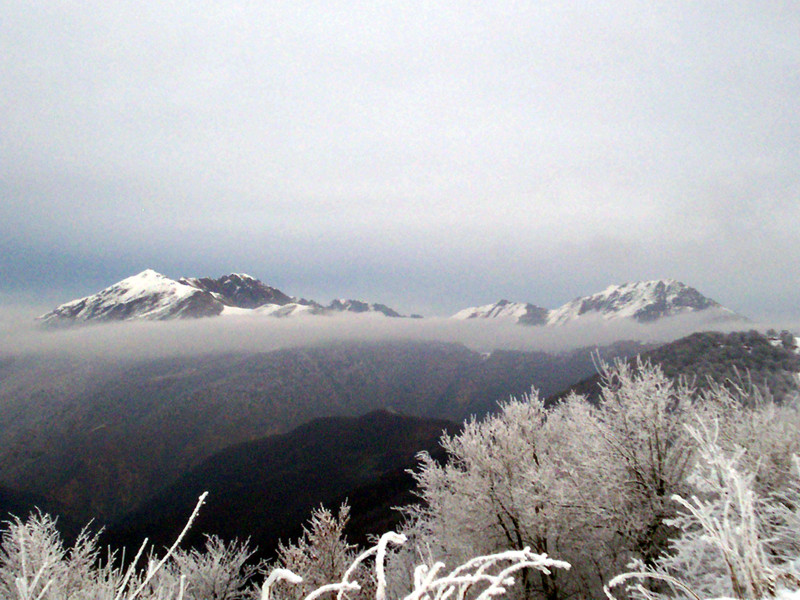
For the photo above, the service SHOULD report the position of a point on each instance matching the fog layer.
(21, 334)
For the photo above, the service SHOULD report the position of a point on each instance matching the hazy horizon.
(21, 335)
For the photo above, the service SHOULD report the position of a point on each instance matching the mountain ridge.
(239, 290)
(641, 301)
(769, 362)
(152, 296)
(149, 295)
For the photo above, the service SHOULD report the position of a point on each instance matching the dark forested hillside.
(768, 362)
(265, 489)
(100, 437)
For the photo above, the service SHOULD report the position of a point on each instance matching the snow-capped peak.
(146, 282)
(146, 295)
(642, 300)
(151, 295)
(520, 312)
(358, 306)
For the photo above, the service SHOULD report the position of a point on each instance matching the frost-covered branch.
(488, 576)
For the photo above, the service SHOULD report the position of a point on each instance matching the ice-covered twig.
(287, 575)
(476, 572)
(275, 576)
(153, 569)
(647, 574)
(131, 569)
(343, 586)
(380, 559)
(428, 583)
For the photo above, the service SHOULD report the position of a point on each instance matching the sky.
(427, 155)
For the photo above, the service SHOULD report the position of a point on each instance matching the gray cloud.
(426, 155)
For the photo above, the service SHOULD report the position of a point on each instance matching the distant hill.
(770, 362)
(99, 436)
(266, 488)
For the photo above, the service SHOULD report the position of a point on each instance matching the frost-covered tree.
(218, 571)
(321, 555)
(766, 431)
(588, 484)
(731, 541)
(495, 492)
(641, 453)
(35, 563)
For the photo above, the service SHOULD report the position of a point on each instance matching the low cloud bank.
(20, 334)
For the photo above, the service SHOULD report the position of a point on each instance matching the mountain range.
(153, 296)
(642, 301)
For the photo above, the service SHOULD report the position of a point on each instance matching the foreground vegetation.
(658, 491)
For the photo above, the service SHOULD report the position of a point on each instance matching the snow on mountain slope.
(357, 306)
(153, 296)
(148, 295)
(291, 309)
(523, 313)
(643, 301)
(308, 307)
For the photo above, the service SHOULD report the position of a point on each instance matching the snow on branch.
(489, 575)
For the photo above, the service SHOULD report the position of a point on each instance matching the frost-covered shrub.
(498, 491)
(35, 564)
(320, 557)
(589, 484)
(481, 577)
(733, 542)
(783, 522)
(220, 571)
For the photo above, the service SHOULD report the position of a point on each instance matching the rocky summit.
(153, 296)
(642, 301)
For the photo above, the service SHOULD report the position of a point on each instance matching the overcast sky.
(429, 155)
